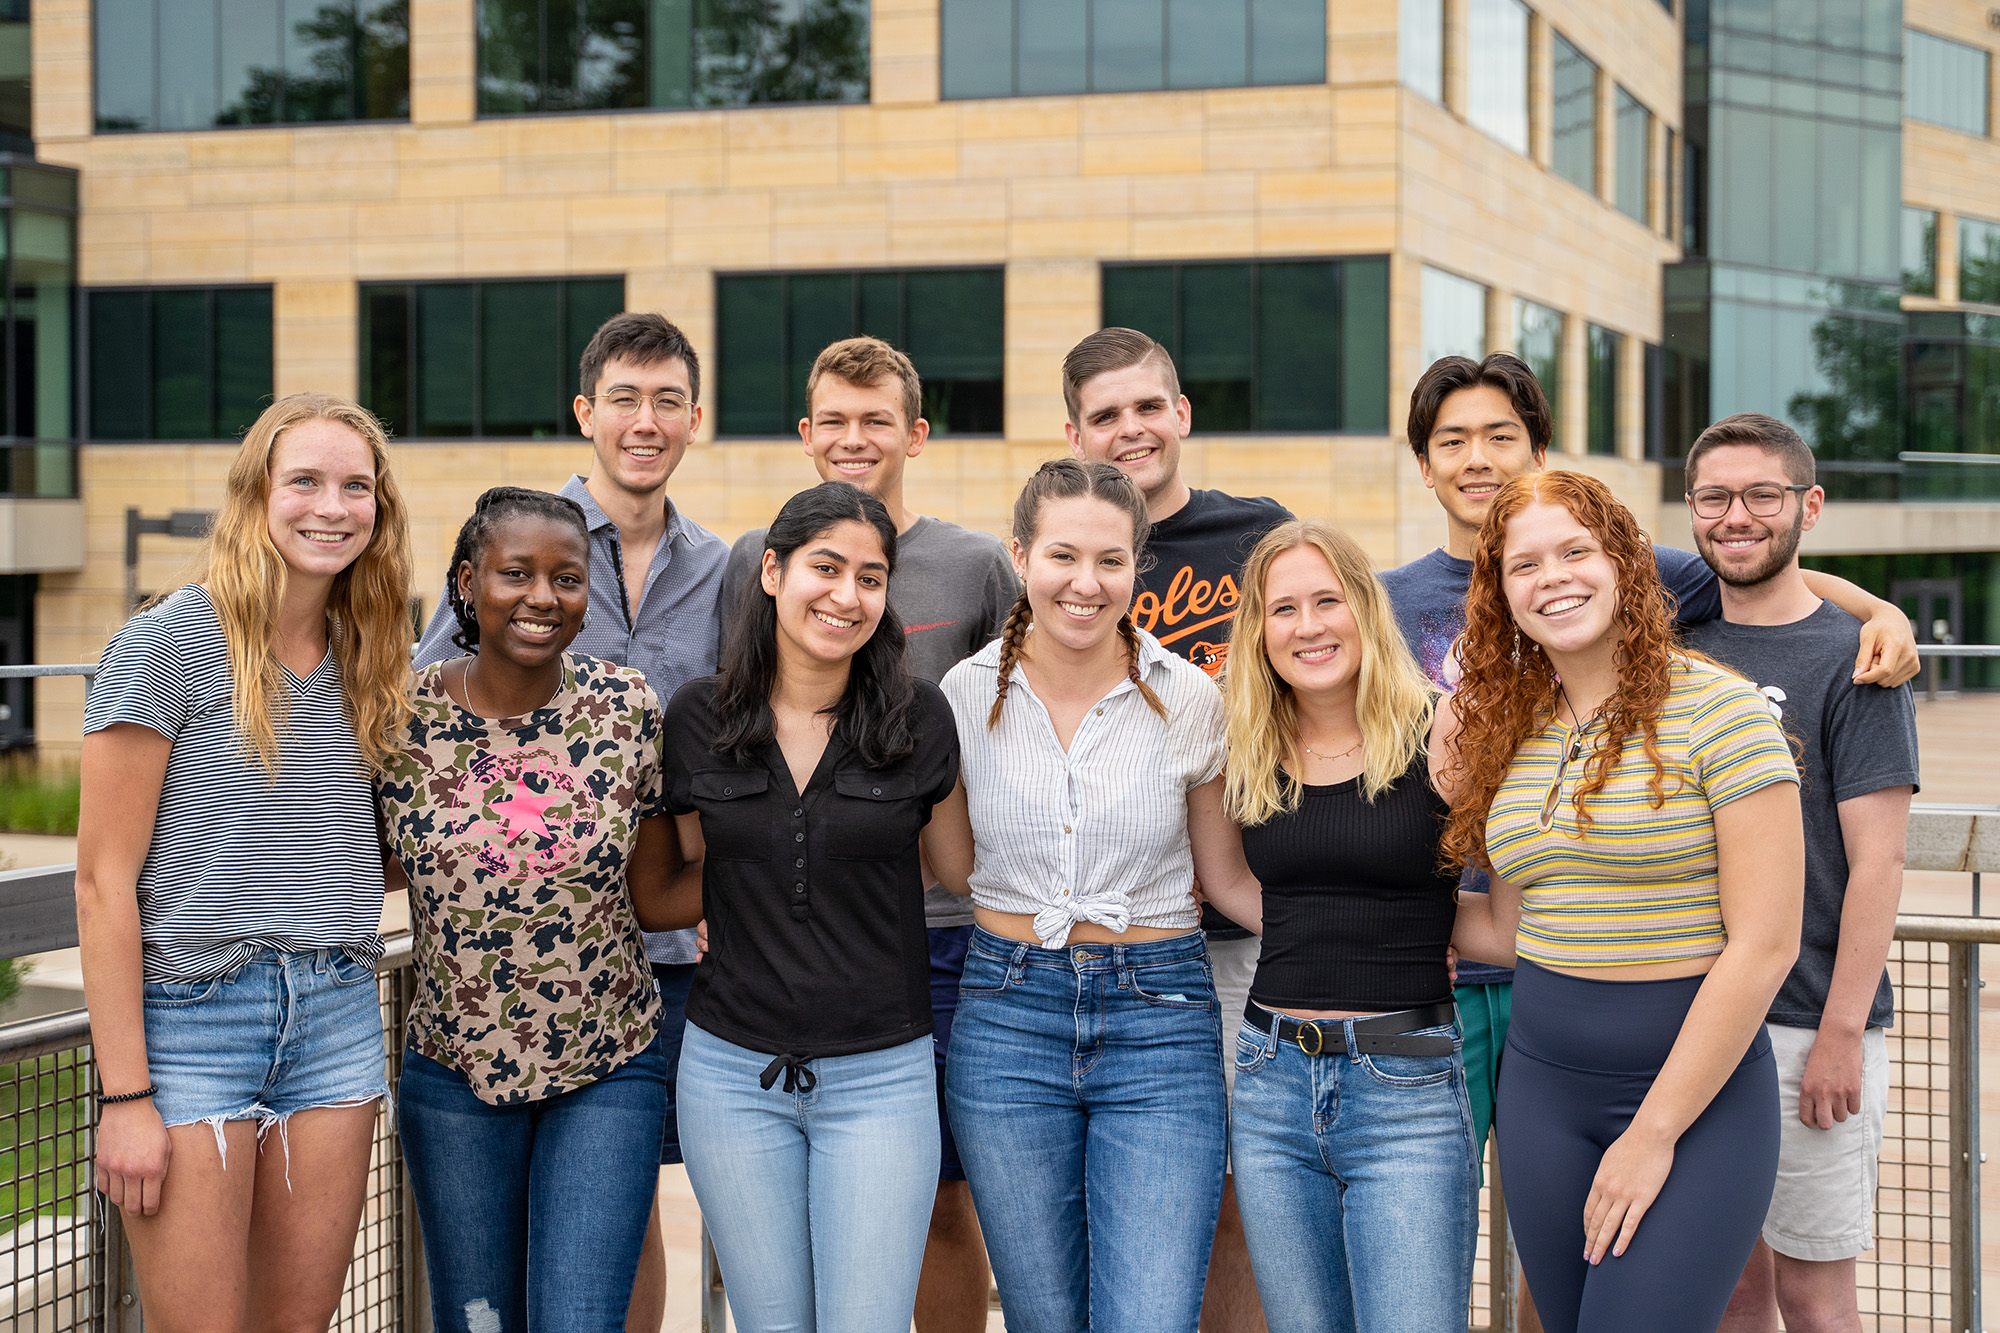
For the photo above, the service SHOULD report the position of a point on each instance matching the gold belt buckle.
(1319, 1038)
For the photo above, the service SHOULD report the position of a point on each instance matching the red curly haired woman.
(1639, 809)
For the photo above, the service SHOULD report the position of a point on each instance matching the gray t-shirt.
(1853, 740)
(952, 590)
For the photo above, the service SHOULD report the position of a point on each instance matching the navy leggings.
(1581, 1056)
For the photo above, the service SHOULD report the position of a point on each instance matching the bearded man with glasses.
(655, 605)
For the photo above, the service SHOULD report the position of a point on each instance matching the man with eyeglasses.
(1752, 495)
(655, 598)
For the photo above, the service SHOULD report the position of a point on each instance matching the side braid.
(1011, 635)
(1130, 633)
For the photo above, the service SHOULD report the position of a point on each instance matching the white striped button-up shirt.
(1098, 832)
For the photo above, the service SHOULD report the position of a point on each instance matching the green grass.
(44, 1175)
(36, 801)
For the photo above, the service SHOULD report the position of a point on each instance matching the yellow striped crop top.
(1640, 885)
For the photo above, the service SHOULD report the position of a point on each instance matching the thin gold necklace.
(1330, 757)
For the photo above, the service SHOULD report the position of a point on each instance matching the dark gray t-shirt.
(1853, 740)
(952, 590)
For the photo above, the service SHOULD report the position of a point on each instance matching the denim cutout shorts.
(279, 1034)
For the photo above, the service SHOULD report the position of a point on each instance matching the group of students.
(907, 885)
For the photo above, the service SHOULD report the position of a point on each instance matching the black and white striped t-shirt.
(239, 860)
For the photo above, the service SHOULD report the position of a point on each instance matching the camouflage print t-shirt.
(515, 833)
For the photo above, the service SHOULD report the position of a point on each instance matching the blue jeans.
(1357, 1183)
(1085, 1085)
(533, 1213)
(818, 1199)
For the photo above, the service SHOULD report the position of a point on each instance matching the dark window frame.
(402, 428)
(1337, 361)
(855, 274)
(147, 385)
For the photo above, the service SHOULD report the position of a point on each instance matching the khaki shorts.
(1824, 1205)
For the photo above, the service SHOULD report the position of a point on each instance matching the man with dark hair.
(1752, 494)
(1126, 408)
(1475, 425)
(655, 581)
(953, 590)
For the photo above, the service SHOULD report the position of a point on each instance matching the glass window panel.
(1053, 37)
(1141, 296)
(1979, 261)
(882, 308)
(1217, 344)
(1298, 346)
(1287, 41)
(447, 360)
(1208, 44)
(187, 55)
(1944, 82)
(750, 335)
(1364, 345)
(1420, 46)
(1739, 200)
(670, 53)
(978, 54)
(520, 378)
(510, 55)
(780, 51)
(957, 342)
(44, 336)
(820, 310)
(385, 61)
(1538, 340)
(1920, 251)
(252, 62)
(321, 42)
(1574, 125)
(243, 373)
(385, 354)
(1879, 188)
(1795, 157)
(1128, 45)
(1454, 316)
(1496, 84)
(183, 366)
(120, 362)
(123, 43)
(1837, 211)
(589, 303)
(1634, 181)
(1602, 348)
(611, 54)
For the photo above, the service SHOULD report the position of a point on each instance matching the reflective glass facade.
(16, 122)
(1634, 194)
(1602, 351)
(1945, 82)
(1538, 340)
(1286, 345)
(1920, 251)
(38, 382)
(177, 363)
(1951, 375)
(560, 55)
(1788, 303)
(1454, 316)
(1960, 588)
(1979, 261)
(1007, 48)
(1420, 46)
(196, 64)
(445, 360)
(1574, 130)
(770, 327)
(1496, 81)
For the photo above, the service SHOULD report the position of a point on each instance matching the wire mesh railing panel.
(1905, 1281)
(51, 1256)
(374, 1301)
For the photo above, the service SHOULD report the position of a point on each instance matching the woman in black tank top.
(1351, 1133)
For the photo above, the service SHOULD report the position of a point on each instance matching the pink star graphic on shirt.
(523, 811)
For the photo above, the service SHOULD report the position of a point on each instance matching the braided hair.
(1067, 479)
(489, 511)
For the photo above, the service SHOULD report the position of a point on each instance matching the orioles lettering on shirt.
(1210, 604)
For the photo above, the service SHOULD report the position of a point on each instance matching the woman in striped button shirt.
(1084, 1080)
(1639, 808)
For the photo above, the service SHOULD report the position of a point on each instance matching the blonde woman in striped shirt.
(1639, 809)
(1084, 1081)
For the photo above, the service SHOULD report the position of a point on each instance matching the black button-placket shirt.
(814, 899)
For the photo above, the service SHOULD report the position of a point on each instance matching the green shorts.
(1482, 1016)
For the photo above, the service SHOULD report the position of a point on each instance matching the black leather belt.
(1383, 1034)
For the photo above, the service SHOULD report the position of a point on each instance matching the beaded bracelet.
(138, 1096)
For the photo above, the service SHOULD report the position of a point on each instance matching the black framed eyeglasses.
(1763, 501)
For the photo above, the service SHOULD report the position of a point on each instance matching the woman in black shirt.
(1350, 1133)
(800, 776)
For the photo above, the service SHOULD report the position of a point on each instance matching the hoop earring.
(584, 624)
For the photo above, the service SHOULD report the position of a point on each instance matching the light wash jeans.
(1085, 1087)
(819, 1199)
(1356, 1180)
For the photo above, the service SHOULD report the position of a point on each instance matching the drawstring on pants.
(799, 1076)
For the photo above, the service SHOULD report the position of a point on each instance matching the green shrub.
(35, 800)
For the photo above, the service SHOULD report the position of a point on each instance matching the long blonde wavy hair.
(1393, 699)
(367, 609)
